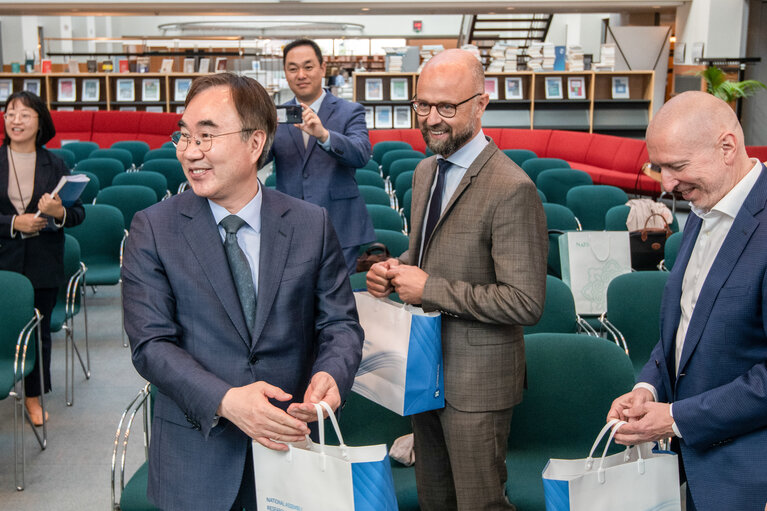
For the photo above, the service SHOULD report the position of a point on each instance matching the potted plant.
(728, 90)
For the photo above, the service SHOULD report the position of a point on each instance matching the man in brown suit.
(482, 264)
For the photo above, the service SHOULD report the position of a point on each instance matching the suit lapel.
(327, 108)
(734, 243)
(5, 170)
(296, 135)
(201, 233)
(276, 234)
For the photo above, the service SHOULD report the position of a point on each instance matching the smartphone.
(289, 114)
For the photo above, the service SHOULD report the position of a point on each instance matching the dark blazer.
(40, 258)
(720, 395)
(327, 178)
(189, 336)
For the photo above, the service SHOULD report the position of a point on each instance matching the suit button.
(253, 359)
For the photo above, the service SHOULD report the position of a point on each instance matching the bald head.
(461, 64)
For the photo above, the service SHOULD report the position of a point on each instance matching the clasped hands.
(312, 124)
(49, 205)
(648, 421)
(391, 276)
(249, 409)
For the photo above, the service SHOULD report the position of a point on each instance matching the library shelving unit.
(623, 116)
(386, 98)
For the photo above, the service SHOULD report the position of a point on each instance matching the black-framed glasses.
(204, 142)
(446, 110)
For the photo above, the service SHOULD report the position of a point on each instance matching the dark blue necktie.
(435, 204)
(238, 264)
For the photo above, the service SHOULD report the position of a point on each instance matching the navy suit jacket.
(189, 336)
(326, 178)
(720, 394)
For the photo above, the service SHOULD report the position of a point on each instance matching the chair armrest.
(120, 449)
(616, 334)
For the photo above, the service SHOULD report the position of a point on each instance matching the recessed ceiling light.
(365, 9)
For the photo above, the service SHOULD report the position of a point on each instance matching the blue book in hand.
(68, 189)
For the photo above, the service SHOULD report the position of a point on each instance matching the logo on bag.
(284, 506)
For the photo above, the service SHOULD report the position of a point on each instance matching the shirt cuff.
(13, 231)
(673, 424)
(326, 144)
(647, 386)
(63, 220)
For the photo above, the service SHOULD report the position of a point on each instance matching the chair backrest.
(559, 217)
(153, 180)
(535, 166)
(633, 307)
(271, 180)
(81, 150)
(590, 204)
(374, 195)
(402, 165)
(369, 178)
(398, 154)
(358, 281)
(558, 310)
(67, 156)
(370, 165)
(403, 183)
(555, 183)
(91, 189)
(543, 197)
(168, 167)
(129, 199)
(104, 168)
(407, 201)
(671, 250)
(125, 156)
(384, 217)
(163, 152)
(168, 145)
(16, 309)
(100, 234)
(382, 148)
(72, 260)
(395, 241)
(137, 148)
(615, 218)
(520, 156)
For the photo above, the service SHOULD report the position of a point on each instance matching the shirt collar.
(466, 155)
(251, 212)
(318, 103)
(731, 203)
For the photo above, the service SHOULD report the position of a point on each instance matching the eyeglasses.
(446, 110)
(22, 116)
(204, 142)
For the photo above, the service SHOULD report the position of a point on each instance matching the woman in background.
(30, 245)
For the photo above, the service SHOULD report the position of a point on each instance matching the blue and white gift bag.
(401, 366)
(319, 477)
(638, 479)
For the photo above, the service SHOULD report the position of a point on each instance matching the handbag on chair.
(647, 245)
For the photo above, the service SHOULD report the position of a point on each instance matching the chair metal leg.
(18, 436)
(122, 316)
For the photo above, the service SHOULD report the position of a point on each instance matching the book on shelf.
(124, 66)
(575, 58)
(559, 58)
(46, 66)
(166, 66)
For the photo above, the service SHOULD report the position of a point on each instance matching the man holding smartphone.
(316, 159)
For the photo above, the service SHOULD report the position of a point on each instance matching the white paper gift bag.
(401, 367)
(638, 479)
(590, 260)
(319, 477)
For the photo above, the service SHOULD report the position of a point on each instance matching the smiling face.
(21, 124)
(227, 172)
(304, 73)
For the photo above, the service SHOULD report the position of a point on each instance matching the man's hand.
(651, 421)
(312, 124)
(408, 282)
(249, 409)
(51, 206)
(378, 284)
(622, 406)
(322, 388)
(28, 224)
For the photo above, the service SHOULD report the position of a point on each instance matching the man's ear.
(728, 143)
(257, 141)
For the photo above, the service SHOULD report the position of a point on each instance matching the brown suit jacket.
(486, 261)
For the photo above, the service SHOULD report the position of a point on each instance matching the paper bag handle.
(640, 460)
(318, 407)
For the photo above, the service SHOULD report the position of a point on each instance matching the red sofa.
(608, 159)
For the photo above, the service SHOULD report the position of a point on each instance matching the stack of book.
(535, 52)
(471, 48)
(574, 58)
(511, 57)
(548, 57)
(427, 52)
(497, 57)
(607, 58)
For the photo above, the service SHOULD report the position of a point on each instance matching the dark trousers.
(45, 300)
(246, 497)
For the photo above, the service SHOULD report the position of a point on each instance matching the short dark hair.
(254, 105)
(45, 128)
(302, 42)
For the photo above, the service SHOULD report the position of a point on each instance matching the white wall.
(721, 25)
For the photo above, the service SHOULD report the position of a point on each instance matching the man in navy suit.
(231, 365)
(705, 384)
(316, 160)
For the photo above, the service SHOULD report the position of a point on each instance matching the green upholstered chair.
(104, 168)
(535, 166)
(375, 195)
(271, 180)
(384, 217)
(559, 311)
(129, 199)
(633, 313)
(19, 345)
(543, 197)
(384, 147)
(125, 156)
(590, 204)
(137, 148)
(168, 145)
(91, 189)
(171, 169)
(671, 250)
(163, 152)
(519, 156)
(402, 165)
(555, 183)
(369, 178)
(558, 220)
(358, 281)
(66, 155)
(81, 150)
(398, 154)
(153, 180)
(371, 165)
(395, 241)
(406, 205)
(68, 304)
(572, 380)
(403, 183)
(616, 217)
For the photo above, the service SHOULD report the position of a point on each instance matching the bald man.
(477, 254)
(705, 384)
